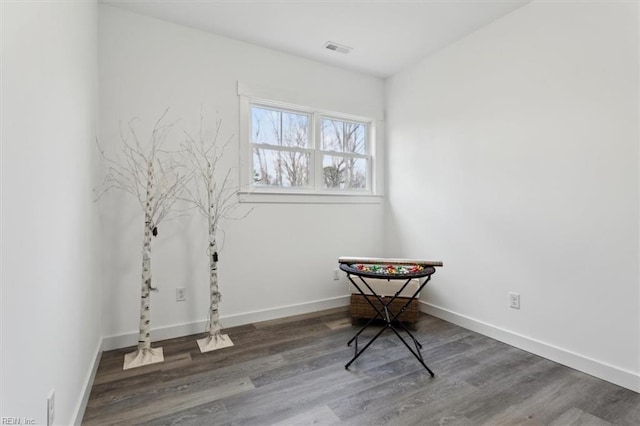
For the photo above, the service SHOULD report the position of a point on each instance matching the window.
(345, 163)
(282, 153)
(301, 150)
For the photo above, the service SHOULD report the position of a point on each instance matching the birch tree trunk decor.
(144, 334)
(215, 339)
(153, 177)
(214, 201)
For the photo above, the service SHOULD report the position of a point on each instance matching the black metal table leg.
(416, 354)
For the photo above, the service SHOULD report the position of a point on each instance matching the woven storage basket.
(361, 309)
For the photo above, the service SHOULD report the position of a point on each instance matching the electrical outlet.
(51, 405)
(336, 275)
(181, 294)
(514, 300)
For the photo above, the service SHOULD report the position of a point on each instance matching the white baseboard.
(186, 329)
(610, 373)
(88, 384)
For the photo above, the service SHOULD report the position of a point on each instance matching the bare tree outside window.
(280, 154)
(347, 171)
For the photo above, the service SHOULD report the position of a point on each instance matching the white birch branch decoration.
(215, 201)
(152, 175)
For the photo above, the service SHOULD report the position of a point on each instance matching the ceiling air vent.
(337, 47)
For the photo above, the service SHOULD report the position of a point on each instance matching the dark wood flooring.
(291, 372)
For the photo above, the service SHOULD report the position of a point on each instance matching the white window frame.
(315, 193)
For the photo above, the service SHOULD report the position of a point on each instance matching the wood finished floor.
(291, 372)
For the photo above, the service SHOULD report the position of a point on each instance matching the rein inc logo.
(17, 421)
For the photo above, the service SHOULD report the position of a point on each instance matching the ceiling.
(386, 36)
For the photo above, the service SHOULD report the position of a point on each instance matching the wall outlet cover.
(514, 300)
(181, 294)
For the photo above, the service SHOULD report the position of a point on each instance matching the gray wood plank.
(321, 415)
(577, 417)
(161, 405)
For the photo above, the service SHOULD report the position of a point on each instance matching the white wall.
(50, 285)
(282, 254)
(513, 157)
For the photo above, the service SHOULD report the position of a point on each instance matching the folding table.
(390, 269)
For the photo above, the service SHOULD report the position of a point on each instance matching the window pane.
(344, 172)
(344, 136)
(332, 131)
(281, 128)
(294, 130)
(265, 126)
(280, 168)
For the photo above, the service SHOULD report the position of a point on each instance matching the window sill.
(273, 197)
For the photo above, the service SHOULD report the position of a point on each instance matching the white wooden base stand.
(143, 357)
(211, 343)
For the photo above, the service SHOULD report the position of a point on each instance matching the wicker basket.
(361, 309)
